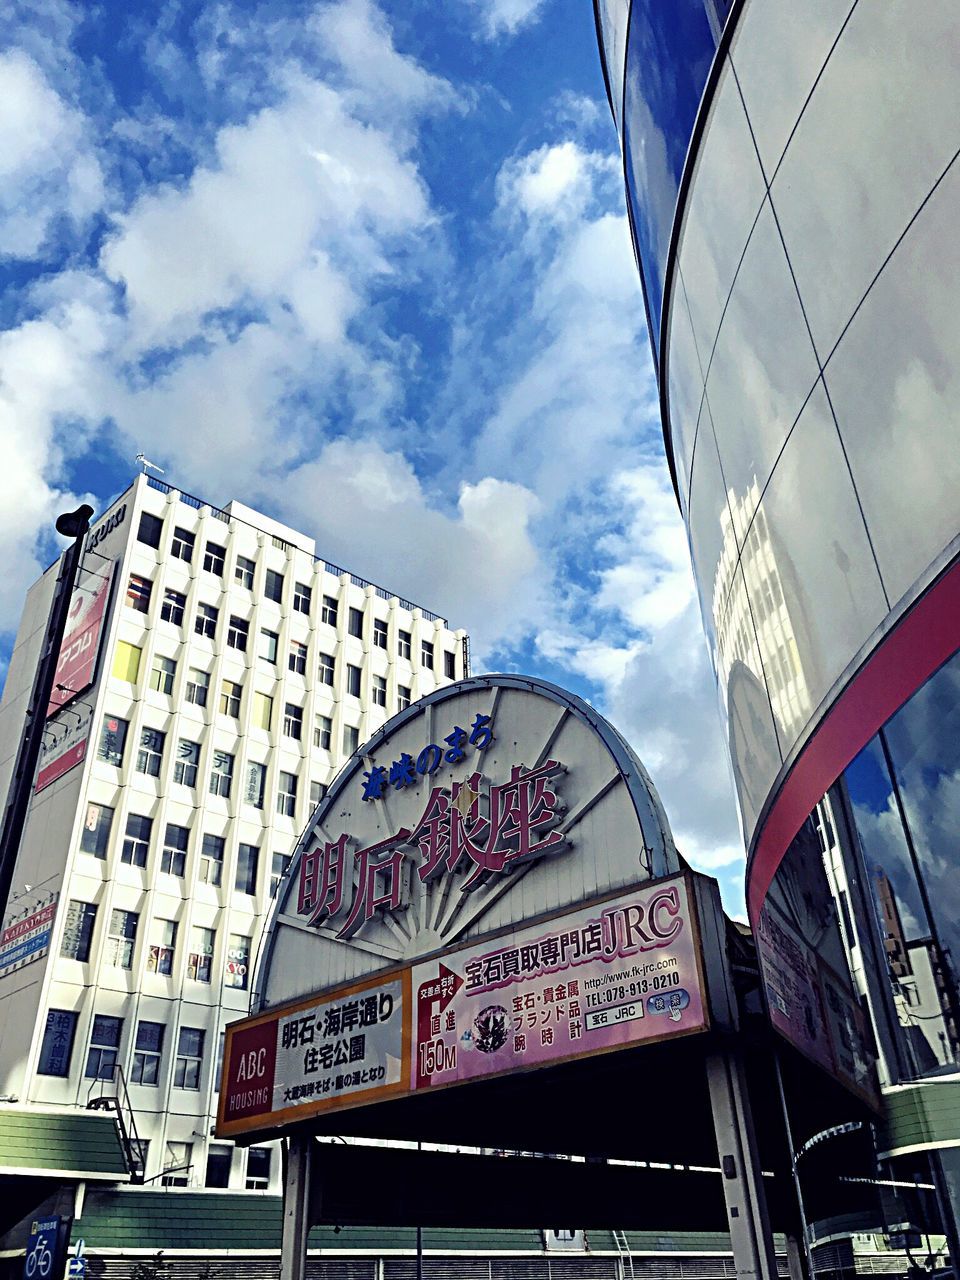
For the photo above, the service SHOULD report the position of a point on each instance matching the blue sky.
(366, 268)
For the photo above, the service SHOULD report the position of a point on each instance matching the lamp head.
(73, 524)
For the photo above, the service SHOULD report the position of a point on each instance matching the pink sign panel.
(77, 665)
(614, 974)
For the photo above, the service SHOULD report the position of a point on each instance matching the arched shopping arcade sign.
(490, 887)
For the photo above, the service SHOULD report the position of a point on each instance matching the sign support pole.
(299, 1152)
(743, 1191)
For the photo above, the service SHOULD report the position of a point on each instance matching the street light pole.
(72, 524)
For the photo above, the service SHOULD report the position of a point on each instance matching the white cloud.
(48, 168)
(507, 17)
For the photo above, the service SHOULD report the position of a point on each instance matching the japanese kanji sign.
(474, 827)
(340, 1049)
(612, 974)
(80, 649)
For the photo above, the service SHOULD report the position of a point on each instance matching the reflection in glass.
(763, 368)
(809, 570)
(724, 197)
(685, 381)
(913, 955)
(669, 51)
(894, 381)
(613, 25)
(712, 545)
(877, 133)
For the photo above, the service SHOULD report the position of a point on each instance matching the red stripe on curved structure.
(921, 642)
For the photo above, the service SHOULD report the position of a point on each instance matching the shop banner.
(340, 1049)
(64, 744)
(77, 664)
(611, 975)
(28, 939)
(622, 971)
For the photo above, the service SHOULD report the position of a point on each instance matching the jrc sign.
(615, 973)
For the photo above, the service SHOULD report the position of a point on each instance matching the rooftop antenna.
(148, 465)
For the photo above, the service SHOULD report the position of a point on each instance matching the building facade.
(793, 187)
(214, 676)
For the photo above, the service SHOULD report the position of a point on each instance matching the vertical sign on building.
(77, 664)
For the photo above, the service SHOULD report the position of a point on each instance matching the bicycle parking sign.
(42, 1248)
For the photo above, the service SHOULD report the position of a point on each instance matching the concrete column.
(743, 1191)
(299, 1152)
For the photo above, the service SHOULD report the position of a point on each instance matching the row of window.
(56, 1050)
(95, 837)
(112, 748)
(173, 607)
(121, 943)
(127, 659)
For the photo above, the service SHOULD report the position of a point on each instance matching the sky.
(366, 268)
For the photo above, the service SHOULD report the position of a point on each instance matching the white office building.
(234, 672)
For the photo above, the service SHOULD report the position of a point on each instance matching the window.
(186, 1073)
(379, 633)
(146, 1053)
(380, 691)
(322, 729)
(113, 739)
(138, 593)
(177, 1162)
(150, 755)
(325, 671)
(273, 586)
(278, 870)
(218, 1065)
(268, 645)
(230, 692)
(174, 603)
(404, 696)
(248, 863)
(355, 623)
(297, 661)
(96, 830)
(258, 1169)
(139, 1148)
(198, 683)
(292, 721)
(151, 529)
(243, 572)
(238, 962)
(122, 938)
(353, 680)
(182, 546)
(219, 1160)
(205, 623)
(262, 716)
(185, 765)
(449, 665)
(78, 930)
(163, 947)
(173, 859)
(126, 662)
(287, 794)
(163, 674)
(136, 842)
(256, 784)
(426, 653)
(317, 792)
(57, 1047)
(211, 859)
(202, 942)
(213, 558)
(104, 1047)
(328, 613)
(351, 739)
(238, 633)
(302, 595)
(403, 644)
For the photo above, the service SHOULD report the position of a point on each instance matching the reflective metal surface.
(613, 25)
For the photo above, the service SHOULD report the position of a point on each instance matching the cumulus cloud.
(507, 17)
(49, 171)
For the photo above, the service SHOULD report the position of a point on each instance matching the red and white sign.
(77, 665)
(65, 744)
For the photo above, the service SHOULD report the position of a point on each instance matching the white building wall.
(51, 858)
